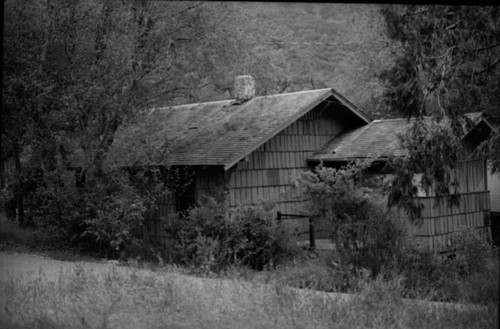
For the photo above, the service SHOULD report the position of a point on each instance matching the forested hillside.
(337, 45)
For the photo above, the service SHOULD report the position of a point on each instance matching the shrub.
(363, 231)
(99, 217)
(470, 274)
(213, 238)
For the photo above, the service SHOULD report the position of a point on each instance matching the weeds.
(131, 298)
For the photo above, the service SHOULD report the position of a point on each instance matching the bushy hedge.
(213, 238)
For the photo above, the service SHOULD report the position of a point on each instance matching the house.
(250, 146)
(379, 142)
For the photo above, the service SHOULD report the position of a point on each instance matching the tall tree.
(448, 64)
(75, 71)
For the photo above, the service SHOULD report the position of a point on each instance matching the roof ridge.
(232, 100)
(190, 104)
(425, 117)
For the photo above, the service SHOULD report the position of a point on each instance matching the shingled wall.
(439, 221)
(266, 174)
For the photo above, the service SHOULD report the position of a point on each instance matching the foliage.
(363, 232)
(456, 277)
(213, 238)
(75, 72)
(449, 59)
(448, 64)
(433, 151)
(102, 218)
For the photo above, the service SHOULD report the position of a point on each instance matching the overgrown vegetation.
(469, 274)
(99, 217)
(432, 153)
(213, 237)
(114, 297)
(364, 232)
(370, 242)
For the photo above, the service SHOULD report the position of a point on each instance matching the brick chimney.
(244, 88)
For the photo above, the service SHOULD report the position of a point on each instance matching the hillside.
(337, 45)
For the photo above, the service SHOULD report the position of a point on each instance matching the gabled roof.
(377, 140)
(215, 133)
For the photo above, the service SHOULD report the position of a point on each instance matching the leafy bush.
(213, 238)
(363, 231)
(100, 217)
(470, 274)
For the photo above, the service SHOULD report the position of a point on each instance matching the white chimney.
(244, 88)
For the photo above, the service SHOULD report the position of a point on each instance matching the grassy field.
(124, 297)
(104, 295)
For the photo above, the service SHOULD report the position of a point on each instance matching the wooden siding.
(158, 219)
(266, 174)
(470, 174)
(208, 180)
(494, 188)
(439, 221)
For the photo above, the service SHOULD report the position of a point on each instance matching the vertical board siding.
(158, 219)
(494, 188)
(439, 221)
(270, 169)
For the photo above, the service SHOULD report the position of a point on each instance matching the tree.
(448, 64)
(449, 61)
(74, 72)
(89, 66)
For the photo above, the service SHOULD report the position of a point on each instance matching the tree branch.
(489, 67)
(484, 48)
(188, 8)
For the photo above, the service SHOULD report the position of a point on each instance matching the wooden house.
(252, 148)
(379, 142)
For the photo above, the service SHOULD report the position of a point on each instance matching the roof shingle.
(378, 139)
(214, 133)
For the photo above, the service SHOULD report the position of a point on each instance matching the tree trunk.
(19, 187)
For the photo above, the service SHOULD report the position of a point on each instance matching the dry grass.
(122, 297)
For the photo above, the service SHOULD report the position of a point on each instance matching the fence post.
(278, 217)
(312, 238)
